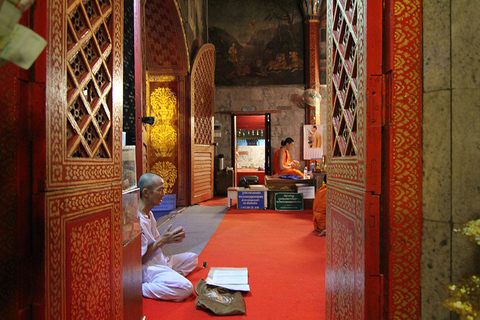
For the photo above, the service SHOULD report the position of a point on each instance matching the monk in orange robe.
(282, 164)
(320, 211)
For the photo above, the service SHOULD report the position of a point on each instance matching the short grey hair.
(146, 181)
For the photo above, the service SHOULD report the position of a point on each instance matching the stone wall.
(288, 123)
(451, 147)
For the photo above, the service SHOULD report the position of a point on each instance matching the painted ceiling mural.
(257, 42)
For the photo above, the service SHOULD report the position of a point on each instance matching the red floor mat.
(286, 262)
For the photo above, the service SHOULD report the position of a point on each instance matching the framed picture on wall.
(312, 142)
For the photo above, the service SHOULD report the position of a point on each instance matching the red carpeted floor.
(285, 259)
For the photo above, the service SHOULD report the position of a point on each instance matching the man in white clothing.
(163, 276)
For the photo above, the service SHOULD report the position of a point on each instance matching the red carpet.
(286, 264)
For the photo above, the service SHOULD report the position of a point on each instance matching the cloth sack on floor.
(218, 300)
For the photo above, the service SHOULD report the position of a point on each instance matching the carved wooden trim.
(201, 114)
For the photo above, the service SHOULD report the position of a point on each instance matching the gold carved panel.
(345, 255)
(84, 93)
(346, 91)
(166, 142)
(83, 251)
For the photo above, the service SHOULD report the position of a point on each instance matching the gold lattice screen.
(89, 79)
(344, 79)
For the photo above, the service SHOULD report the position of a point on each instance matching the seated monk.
(281, 160)
(163, 276)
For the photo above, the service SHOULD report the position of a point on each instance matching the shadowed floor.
(200, 223)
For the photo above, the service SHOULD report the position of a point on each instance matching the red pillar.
(312, 65)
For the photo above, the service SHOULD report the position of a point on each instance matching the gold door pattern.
(354, 158)
(80, 197)
(166, 138)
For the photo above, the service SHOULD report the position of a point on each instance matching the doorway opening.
(251, 147)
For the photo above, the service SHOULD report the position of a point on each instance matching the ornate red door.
(77, 168)
(354, 50)
(202, 93)
(166, 65)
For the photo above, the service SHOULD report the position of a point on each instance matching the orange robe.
(320, 209)
(286, 161)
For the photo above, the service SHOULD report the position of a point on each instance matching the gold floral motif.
(163, 140)
(168, 172)
(346, 262)
(163, 104)
(85, 172)
(406, 190)
(63, 208)
(90, 269)
(342, 263)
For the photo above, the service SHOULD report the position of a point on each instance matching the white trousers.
(168, 282)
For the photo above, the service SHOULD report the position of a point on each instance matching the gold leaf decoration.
(465, 297)
(472, 230)
(90, 265)
(164, 104)
(168, 172)
(163, 140)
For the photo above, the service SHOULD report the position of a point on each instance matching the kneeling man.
(163, 277)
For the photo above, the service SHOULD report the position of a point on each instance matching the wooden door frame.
(268, 156)
(402, 214)
(401, 206)
(202, 91)
(146, 58)
(354, 159)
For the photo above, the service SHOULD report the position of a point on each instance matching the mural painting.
(257, 42)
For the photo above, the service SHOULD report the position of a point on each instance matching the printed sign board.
(289, 201)
(251, 200)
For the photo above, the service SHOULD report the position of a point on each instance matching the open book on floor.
(230, 278)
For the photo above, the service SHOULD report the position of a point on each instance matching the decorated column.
(312, 10)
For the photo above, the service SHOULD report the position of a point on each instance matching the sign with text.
(169, 202)
(251, 200)
(289, 201)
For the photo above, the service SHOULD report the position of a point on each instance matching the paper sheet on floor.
(230, 278)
